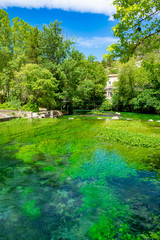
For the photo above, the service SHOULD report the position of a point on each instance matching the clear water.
(60, 181)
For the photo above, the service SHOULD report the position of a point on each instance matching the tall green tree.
(33, 46)
(52, 44)
(5, 52)
(20, 35)
(35, 85)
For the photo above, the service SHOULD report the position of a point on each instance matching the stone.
(35, 115)
(42, 116)
(158, 121)
(128, 119)
(150, 120)
(115, 118)
(117, 113)
(51, 114)
(71, 118)
(57, 113)
(42, 109)
(99, 118)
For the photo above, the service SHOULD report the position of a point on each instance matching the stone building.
(110, 85)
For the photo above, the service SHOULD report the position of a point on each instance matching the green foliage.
(13, 104)
(35, 85)
(30, 107)
(138, 86)
(5, 30)
(52, 45)
(137, 23)
(105, 106)
(147, 101)
(43, 68)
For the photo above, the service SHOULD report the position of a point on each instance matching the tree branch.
(141, 40)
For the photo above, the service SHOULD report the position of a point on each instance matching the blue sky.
(90, 24)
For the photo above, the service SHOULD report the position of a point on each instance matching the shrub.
(105, 106)
(30, 107)
(13, 104)
(147, 102)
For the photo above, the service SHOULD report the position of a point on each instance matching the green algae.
(64, 173)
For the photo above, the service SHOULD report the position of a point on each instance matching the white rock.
(99, 118)
(128, 119)
(150, 120)
(158, 121)
(71, 118)
(35, 115)
(117, 113)
(42, 116)
(115, 118)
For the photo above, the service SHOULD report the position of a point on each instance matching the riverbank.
(8, 114)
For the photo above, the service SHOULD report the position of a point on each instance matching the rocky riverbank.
(6, 115)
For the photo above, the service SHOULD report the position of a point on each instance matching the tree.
(52, 45)
(5, 52)
(91, 88)
(151, 64)
(33, 46)
(139, 21)
(20, 34)
(147, 101)
(36, 85)
(132, 79)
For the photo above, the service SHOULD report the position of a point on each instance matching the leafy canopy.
(138, 21)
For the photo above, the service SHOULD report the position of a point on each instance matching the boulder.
(57, 113)
(42, 116)
(117, 113)
(128, 119)
(150, 120)
(158, 121)
(35, 115)
(115, 118)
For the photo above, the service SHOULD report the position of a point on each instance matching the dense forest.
(41, 68)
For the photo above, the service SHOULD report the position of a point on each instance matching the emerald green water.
(79, 180)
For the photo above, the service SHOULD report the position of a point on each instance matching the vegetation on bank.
(136, 56)
(138, 88)
(43, 68)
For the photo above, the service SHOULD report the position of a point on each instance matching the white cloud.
(92, 6)
(95, 42)
(111, 18)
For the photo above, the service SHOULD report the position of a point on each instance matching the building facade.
(110, 85)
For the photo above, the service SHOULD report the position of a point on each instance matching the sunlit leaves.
(138, 21)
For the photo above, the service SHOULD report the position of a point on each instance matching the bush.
(105, 106)
(13, 104)
(30, 107)
(147, 102)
